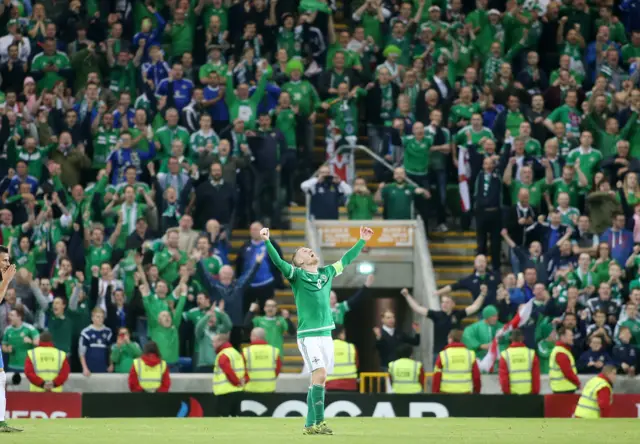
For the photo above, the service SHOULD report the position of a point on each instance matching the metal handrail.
(346, 147)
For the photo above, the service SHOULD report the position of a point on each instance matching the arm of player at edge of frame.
(347, 258)
(7, 277)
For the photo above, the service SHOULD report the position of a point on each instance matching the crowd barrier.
(198, 405)
(286, 383)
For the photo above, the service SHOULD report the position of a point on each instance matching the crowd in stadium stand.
(136, 135)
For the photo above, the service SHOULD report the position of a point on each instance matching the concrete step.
(452, 248)
(452, 234)
(450, 260)
(291, 368)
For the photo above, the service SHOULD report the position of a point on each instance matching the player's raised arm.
(282, 265)
(352, 254)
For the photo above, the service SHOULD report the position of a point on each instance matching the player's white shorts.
(317, 352)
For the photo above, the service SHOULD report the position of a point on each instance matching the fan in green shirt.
(105, 138)
(398, 196)
(165, 135)
(479, 21)
(586, 159)
(124, 352)
(536, 189)
(181, 32)
(241, 106)
(166, 330)
(60, 324)
(569, 184)
(567, 114)
(209, 324)
(216, 8)
(97, 251)
(34, 156)
(417, 151)
(302, 93)
(25, 256)
(19, 337)
(343, 113)
(631, 51)
(169, 259)
(50, 63)
(286, 120)
(275, 326)
(461, 113)
(361, 205)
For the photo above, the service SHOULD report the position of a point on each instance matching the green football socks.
(317, 397)
(311, 417)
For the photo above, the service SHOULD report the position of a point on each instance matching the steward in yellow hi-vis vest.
(406, 374)
(149, 373)
(263, 364)
(597, 396)
(456, 370)
(345, 364)
(229, 376)
(46, 367)
(519, 368)
(563, 375)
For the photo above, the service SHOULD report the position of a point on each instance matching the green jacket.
(168, 339)
(205, 353)
(122, 356)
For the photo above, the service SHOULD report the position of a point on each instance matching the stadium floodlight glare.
(366, 268)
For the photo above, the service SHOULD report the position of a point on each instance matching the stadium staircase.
(452, 254)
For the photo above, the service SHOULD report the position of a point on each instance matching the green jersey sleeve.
(287, 270)
(348, 257)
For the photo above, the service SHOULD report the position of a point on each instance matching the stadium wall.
(196, 405)
(287, 383)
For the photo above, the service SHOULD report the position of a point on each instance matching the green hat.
(12, 22)
(294, 65)
(391, 49)
(489, 311)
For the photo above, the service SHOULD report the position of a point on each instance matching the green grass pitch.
(347, 431)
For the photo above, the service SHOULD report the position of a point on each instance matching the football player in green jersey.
(311, 285)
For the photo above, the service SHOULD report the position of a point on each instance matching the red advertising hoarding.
(44, 405)
(563, 406)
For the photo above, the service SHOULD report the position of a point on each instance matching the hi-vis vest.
(221, 385)
(261, 362)
(149, 378)
(588, 404)
(344, 361)
(519, 362)
(557, 381)
(47, 362)
(457, 368)
(405, 376)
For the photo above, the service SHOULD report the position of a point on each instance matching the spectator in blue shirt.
(124, 156)
(156, 69)
(596, 357)
(619, 239)
(271, 95)
(266, 279)
(149, 36)
(22, 176)
(625, 354)
(124, 111)
(177, 89)
(215, 104)
(95, 344)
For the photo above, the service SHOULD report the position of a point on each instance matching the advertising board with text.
(383, 237)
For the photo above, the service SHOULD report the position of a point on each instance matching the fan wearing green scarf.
(130, 212)
(391, 54)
